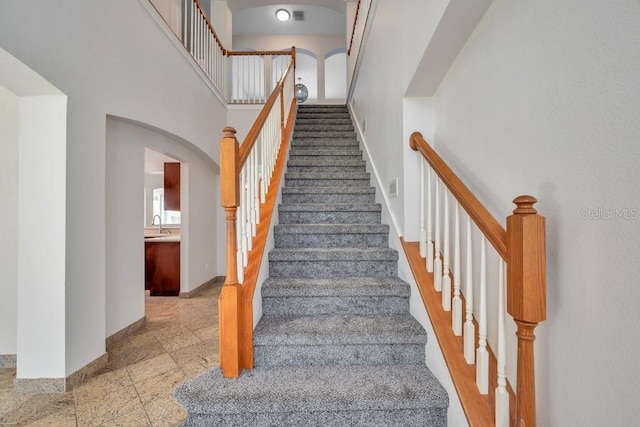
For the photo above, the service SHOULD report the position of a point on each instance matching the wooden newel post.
(229, 301)
(526, 296)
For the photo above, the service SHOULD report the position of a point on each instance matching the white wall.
(543, 99)
(125, 244)
(124, 231)
(398, 37)
(9, 111)
(136, 72)
(34, 141)
(41, 247)
(335, 77)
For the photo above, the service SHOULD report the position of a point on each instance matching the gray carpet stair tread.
(331, 207)
(326, 175)
(300, 161)
(338, 329)
(325, 151)
(333, 254)
(347, 286)
(319, 229)
(328, 190)
(314, 389)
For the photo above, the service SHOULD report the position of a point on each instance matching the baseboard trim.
(87, 371)
(39, 385)
(194, 292)
(60, 385)
(132, 329)
(8, 360)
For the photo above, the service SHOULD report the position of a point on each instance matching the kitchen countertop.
(162, 238)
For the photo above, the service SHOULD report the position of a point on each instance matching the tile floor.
(178, 342)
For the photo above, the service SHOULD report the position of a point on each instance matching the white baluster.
(191, 28)
(239, 241)
(446, 273)
(254, 192)
(246, 241)
(185, 7)
(423, 231)
(469, 327)
(502, 396)
(429, 225)
(482, 355)
(437, 262)
(263, 152)
(456, 315)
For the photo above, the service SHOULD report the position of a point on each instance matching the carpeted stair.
(336, 345)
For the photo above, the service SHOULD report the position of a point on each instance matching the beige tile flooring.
(178, 342)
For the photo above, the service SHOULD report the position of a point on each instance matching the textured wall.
(543, 99)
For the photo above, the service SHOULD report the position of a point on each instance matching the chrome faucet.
(153, 222)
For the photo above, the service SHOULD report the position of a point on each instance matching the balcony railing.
(246, 77)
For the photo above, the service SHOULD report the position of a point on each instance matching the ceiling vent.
(298, 15)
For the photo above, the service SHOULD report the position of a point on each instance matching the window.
(168, 217)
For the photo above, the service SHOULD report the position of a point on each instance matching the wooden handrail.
(353, 30)
(476, 210)
(258, 52)
(522, 247)
(252, 136)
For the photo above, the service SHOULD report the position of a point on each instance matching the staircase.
(336, 345)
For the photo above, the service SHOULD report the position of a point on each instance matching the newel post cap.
(229, 132)
(526, 262)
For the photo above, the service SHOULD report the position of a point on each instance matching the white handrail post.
(429, 224)
(502, 395)
(437, 262)
(446, 273)
(469, 327)
(482, 355)
(456, 315)
(423, 232)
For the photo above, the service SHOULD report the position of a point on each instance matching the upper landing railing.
(462, 289)
(240, 77)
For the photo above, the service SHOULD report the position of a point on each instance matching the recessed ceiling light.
(283, 15)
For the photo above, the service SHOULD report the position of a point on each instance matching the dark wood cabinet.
(162, 268)
(172, 186)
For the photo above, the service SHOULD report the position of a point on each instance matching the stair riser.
(328, 198)
(374, 354)
(326, 183)
(351, 143)
(288, 240)
(327, 269)
(325, 158)
(321, 128)
(323, 116)
(317, 133)
(298, 161)
(329, 217)
(326, 169)
(314, 152)
(323, 121)
(368, 418)
(314, 305)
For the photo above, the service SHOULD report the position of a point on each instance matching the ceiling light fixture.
(283, 15)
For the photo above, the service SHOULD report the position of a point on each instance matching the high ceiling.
(257, 17)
